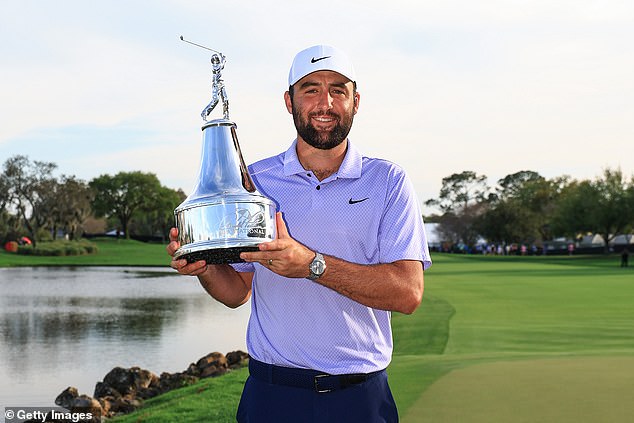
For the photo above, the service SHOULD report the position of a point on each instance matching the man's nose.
(325, 100)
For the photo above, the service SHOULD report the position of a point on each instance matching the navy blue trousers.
(367, 402)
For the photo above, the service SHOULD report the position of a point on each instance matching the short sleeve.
(402, 232)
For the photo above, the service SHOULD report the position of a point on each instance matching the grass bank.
(111, 252)
(210, 400)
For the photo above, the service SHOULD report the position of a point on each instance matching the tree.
(505, 222)
(513, 185)
(630, 200)
(5, 217)
(28, 192)
(124, 195)
(461, 199)
(614, 213)
(73, 205)
(603, 206)
(520, 212)
(5, 196)
(459, 190)
(462, 227)
(541, 198)
(159, 220)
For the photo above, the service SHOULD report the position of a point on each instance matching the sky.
(489, 86)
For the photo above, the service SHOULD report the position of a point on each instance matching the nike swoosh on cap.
(313, 60)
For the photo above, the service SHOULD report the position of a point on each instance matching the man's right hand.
(181, 265)
(221, 281)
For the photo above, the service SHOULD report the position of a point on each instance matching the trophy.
(225, 214)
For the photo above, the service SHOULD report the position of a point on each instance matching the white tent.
(433, 238)
(624, 239)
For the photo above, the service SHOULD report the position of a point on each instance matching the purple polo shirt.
(366, 213)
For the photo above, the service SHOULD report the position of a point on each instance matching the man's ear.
(289, 102)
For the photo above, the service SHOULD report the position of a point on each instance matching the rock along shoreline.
(123, 391)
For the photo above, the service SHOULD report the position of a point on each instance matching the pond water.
(69, 326)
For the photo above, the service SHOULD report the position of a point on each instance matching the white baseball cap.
(320, 57)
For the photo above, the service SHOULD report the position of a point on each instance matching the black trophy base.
(219, 255)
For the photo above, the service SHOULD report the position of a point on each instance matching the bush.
(59, 248)
(11, 247)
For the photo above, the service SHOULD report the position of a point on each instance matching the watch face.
(317, 267)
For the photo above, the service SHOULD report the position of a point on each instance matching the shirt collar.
(350, 167)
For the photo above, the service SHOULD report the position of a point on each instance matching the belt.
(306, 378)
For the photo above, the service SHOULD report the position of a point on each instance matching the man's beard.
(323, 140)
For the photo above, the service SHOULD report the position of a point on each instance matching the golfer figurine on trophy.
(217, 87)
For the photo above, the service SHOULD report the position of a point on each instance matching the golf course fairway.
(518, 339)
(579, 389)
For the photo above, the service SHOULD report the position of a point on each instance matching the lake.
(70, 326)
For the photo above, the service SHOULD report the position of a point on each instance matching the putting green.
(571, 389)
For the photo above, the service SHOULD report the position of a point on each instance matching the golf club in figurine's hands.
(225, 214)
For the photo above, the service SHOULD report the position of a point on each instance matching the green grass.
(564, 389)
(210, 400)
(111, 252)
(496, 339)
(516, 315)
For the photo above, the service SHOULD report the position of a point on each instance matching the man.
(351, 249)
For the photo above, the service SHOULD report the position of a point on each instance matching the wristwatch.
(317, 267)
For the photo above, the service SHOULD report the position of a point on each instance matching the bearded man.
(350, 250)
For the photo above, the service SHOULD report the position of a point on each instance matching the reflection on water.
(69, 326)
(50, 319)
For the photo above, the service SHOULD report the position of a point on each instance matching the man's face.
(323, 106)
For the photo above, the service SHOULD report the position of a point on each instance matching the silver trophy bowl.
(225, 214)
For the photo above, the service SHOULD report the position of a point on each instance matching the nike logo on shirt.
(351, 201)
